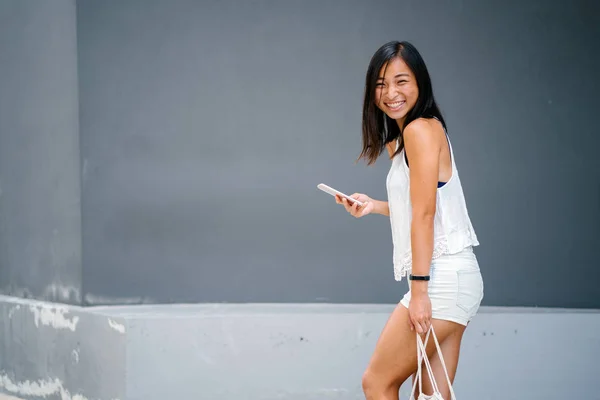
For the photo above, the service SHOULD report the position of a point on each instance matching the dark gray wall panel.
(206, 126)
(40, 210)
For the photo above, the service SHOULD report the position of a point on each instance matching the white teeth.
(395, 105)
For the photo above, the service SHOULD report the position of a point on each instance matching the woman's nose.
(391, 92)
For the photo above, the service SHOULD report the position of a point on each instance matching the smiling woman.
(431, 230)
(395, 92)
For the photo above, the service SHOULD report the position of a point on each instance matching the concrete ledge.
(52, 351)
(279, 351)
(7, 397)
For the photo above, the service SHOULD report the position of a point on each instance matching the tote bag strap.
(439, 351)
(422, 357)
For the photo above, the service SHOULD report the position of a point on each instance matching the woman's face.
(396, 93)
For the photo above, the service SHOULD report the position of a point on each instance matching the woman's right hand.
(353, 208)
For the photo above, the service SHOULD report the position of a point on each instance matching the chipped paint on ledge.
(53, 315)
(40, 388)
(75, 356)
(116, 326)
(12, 311)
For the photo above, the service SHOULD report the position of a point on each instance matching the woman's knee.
(374, 384)
(368, 381)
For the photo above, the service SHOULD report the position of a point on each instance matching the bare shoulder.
(422, 134)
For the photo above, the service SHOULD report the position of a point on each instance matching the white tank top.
(452, 228)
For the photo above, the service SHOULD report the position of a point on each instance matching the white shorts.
(455, 288)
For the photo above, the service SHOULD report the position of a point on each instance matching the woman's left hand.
(419, 311)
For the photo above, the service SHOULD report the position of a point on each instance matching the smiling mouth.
(396, 105)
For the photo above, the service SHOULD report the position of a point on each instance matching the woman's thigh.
(395, 356)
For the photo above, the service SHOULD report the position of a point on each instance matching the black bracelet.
(418, 277)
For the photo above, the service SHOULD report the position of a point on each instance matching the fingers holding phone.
(358, 205)
(353, 208)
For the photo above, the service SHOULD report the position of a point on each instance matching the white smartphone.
(333, 192)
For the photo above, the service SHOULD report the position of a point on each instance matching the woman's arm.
(381, 207)
(422, 149)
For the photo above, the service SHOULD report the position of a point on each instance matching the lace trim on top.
(440, 248)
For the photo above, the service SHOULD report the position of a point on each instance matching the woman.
(431, 230)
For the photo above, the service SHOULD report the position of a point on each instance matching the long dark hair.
(377, 128)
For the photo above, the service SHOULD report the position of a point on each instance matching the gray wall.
(40, 209)
(205, 127)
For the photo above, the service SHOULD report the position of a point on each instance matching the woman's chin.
(396, 115)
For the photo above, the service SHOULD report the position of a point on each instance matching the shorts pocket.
(470, 290)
